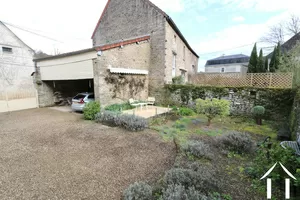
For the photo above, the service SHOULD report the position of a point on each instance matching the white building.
(17, 90)
(228, 64)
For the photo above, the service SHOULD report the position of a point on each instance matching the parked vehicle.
(80, 100)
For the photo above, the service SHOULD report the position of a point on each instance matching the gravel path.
(48, 154)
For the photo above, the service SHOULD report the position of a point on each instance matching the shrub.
(90, 110)
(132, 122)
(107, 117)
(119, 107)
(179, 192)
(212, 108)
(258, 111)
(185, 111)
(236, 141)
(198, 149)
(202, 180)
(129, 122)
(138, 191)
(178, 80)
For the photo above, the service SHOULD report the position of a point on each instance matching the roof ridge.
(16, 36)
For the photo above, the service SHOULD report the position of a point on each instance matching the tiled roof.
(230, 57)
(227, 60)
(99, 48)
(168, 18)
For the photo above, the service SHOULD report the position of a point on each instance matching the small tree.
(260, 63)
(253, 61)
(212, 108)
(272, 67)
(258, 112)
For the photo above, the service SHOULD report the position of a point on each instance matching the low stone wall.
(278, 102)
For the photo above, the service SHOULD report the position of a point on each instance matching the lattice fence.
(258, 80)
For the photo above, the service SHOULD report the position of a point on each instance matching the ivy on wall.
(134, 83)
(278, 102)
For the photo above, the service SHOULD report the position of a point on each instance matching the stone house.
(228, 64)
(137, 48)
(17, 90)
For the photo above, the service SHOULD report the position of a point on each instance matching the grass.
(185, 127)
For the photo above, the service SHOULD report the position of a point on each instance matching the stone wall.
(185, 59)
(126, 19)
(45, 91)
(117, 88)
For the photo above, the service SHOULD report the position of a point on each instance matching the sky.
(212, 27)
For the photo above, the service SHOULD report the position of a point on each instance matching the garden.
(225, 140)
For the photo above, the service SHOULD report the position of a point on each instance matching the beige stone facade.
(132, 56)
(179, 59)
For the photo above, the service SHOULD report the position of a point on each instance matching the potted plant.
(258, 112)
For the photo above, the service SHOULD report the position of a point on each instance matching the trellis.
(256, 80)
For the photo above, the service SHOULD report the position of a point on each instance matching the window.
(184, 53)
(6, 50)
(222, 69)
(174, 40)
(174, 66)
(194, 68)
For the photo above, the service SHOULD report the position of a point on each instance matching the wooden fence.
(256, 80)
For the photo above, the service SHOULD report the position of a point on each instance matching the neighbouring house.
(228, 64)
(17, 90)
(137, 48)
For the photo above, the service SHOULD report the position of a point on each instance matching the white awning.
(127, 71)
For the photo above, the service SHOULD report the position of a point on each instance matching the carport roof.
(98, 48)
(65, 54)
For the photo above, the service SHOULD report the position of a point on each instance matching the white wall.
(15, 69)
(233, 68)
(68, 68)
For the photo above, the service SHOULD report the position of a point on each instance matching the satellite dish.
(99, 53)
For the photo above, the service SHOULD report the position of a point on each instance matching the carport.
(64, 76)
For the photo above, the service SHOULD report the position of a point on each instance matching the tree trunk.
(258, 121)
(208, 122)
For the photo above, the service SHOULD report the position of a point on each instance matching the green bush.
(138, 191)
(90, 110)
(266, 158)
(178, 80)
(179, 192)
(198, 149)
(258, 111)
(185, 111)
(119, 107)
(212, 108)
(236, 141)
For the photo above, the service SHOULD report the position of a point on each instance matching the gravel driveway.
(48, 154)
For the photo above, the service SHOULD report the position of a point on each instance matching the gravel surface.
(48, 154)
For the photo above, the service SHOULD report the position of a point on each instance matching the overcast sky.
(212, 27)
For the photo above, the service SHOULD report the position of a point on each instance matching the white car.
(80, 100)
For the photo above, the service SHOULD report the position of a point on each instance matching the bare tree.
(8, 74)
(293, 25)
(275, 35)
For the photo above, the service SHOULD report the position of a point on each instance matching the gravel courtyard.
(48, 154)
